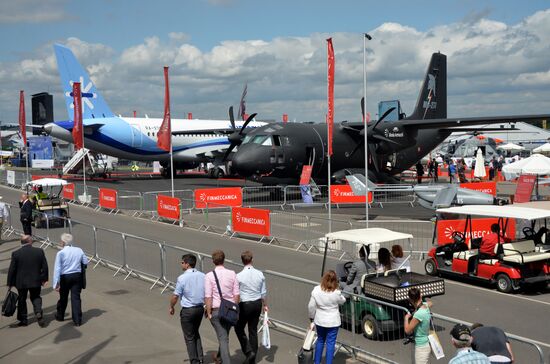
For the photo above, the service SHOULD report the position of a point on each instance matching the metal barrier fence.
(158, 262)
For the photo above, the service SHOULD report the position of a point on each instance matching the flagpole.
(329, 184)
(365, 37)
(171, 160)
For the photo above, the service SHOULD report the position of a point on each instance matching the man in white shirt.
(4, 214)
(253, 297)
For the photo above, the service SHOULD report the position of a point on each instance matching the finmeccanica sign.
(218, 197)
(251, 221)
(168, 207)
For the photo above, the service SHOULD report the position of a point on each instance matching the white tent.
(479, 170)
(510, 147)
(545, 148)
(535, 164)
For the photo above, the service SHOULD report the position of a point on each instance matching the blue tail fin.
(93, 105)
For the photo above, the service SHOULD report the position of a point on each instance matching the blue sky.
(210, 46)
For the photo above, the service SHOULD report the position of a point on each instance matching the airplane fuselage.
(136, 138)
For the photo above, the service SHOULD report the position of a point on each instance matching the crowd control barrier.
(371, 329)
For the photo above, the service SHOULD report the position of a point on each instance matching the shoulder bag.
(228, 311)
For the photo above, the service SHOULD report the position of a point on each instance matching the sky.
(498, 54)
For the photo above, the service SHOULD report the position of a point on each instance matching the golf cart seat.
(489, 261)
(543, 248)
(48, 202)
(523, 252)
(466, 254)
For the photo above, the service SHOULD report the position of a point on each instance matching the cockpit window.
(259, 139)
(276, 140)
(267, 142)
(247, 139)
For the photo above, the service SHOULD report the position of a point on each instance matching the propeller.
(376, 136)
(236, 138)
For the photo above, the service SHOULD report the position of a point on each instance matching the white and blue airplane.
(193, 141)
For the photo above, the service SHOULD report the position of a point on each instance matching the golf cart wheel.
(430, 267)
(37, 223)
(504, 283)
(370, 327)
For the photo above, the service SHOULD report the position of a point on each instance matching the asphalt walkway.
(123, 322)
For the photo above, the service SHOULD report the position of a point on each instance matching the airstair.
(75, 164)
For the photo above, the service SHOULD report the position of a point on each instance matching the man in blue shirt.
(253, 298)
(190, 291)
(68, 277)
(461, 336)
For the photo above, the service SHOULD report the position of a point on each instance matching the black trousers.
(249, 314)
(191, 319)
(22, 302)
(26, 227)
(70, 283)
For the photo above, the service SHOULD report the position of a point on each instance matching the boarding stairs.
(77, 161)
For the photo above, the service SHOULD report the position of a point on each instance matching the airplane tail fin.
(432, 100)
(93, 105)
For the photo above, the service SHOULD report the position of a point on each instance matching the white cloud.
(493, 69)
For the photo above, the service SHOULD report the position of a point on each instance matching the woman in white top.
(397, 258)
(323, 311)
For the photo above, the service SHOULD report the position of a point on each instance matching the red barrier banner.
(107, 198)
(218, 197)
(486, 187)
(344, 194)
(480, 227)
(250, 221)
(306, 175)
(68, 191)
(168, 207)
(34, 177)
(524, 188)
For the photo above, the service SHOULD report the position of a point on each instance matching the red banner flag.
(77, 126)
(164, 135)
(285, 118)
(189, 115)
(22, 128)
(330, 93)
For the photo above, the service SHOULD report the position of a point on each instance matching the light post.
(365, 38)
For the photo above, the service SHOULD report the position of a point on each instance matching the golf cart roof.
(47, 182)
(506, 211)
(368, 236)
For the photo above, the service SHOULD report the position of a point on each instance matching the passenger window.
(276, 140)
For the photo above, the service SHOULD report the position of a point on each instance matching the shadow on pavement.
(89, 354)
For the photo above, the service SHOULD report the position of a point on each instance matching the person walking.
(224, 280)
(28, 272)
(419, 172)
(323, 311)
(452, 171)
(68, 274)
(190, 291)
(4, 215)
(26, 214)
(435, 166)
(253, 294)
(461, 338)
(419, 323)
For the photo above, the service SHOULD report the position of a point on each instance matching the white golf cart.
(48, 206)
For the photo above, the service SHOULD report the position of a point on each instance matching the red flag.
(330, 93)
(164, 135)
(135, 113)
(189, 115)
(285, 118)
(77, 126)
(22, 128)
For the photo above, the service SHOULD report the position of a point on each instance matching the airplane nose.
(241, 164)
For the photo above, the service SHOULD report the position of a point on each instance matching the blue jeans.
(325, 335)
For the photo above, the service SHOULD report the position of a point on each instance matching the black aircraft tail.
(432, 100)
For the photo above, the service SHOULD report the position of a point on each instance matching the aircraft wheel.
(430, 267)
(370, 327)
(218, 173)
(504, 283)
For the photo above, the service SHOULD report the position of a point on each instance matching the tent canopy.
(535, 164)
(545, 148)
(368, 236)
(510, 146)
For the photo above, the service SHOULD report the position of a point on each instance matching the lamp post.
(365, 38)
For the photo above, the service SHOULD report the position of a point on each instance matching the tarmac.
(123, 322)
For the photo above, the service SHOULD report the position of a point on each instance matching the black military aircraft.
(276, 153)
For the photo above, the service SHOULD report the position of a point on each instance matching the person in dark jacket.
(26, 213)
(28, 272)
(419, 172)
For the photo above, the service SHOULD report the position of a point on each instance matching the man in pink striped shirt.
(230, 291)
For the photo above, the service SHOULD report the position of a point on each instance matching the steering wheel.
(347, 267)
(458, 237)
(528, 232)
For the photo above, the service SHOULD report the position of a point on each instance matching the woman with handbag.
(323, 311)
(419, 324)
